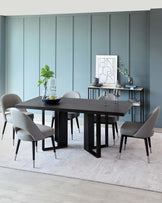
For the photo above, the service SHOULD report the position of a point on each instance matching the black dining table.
(89, 108)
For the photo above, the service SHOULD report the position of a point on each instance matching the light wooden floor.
(23, 186)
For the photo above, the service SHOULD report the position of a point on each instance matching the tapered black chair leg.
(113, 130)
(53, 144)
(149, 142)
(72, 129)
(147, 150)
(53, 119)
(17, 148)
(125, 142)
(121, 144)
(116, 126)
(36, 144)
(4, 127)
(77, 122)
(13, 136)
(33, 149)
(106, 135)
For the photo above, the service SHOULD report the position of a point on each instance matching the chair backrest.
(23, 122)
(8, 101)
(109, 96)
(147, 129)
(71, 94)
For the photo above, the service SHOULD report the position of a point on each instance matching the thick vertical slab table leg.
(61, 129)
(43, 122)
(89, 135)
(88, 132)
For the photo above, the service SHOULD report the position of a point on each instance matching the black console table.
(94, 92)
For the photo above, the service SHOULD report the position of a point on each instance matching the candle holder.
(116, 93)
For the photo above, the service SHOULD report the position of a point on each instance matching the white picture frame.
(106, 69)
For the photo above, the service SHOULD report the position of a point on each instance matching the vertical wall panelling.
(120, 44)
(155, 60)
(120, 39)
(100, 38)
(82, 54)
(69, 45)
(64, 54)
(2, 55)
(14, 55)
(47, 42)
(31, 57)
(138, 50)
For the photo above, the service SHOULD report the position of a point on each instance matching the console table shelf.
(93, 91)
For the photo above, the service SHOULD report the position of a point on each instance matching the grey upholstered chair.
(112, 120)
(8, 101)
(71, 115)
(27, 130)
(140, 130)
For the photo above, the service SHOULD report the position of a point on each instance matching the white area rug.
(131, 170)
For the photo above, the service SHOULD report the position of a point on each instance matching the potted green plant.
(46, 74)
(123, 70)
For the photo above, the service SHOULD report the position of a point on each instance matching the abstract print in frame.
(106, 69)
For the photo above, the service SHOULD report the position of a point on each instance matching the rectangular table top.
(80, 105)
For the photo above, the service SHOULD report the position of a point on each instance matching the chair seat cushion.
(111, 119)
(72, 115)
(130, 128)
(46, 131)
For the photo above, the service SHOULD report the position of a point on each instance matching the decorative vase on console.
(123, 70)
(130, 80)
(46, 74)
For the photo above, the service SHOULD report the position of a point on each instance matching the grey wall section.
(69, 45)
(2, 55)
(156, 60)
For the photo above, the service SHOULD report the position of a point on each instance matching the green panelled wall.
(31, 56)
(2, 55)
(82, 54)
(69, 45)
(156, 60)
(100, 38)
(139, 47)
(14, 56)
(64, 54)
(47, 43)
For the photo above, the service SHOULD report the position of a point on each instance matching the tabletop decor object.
(106, 69)
(123, 70)
(116, 93)
(96, 83)
(46, 74)
(51, 100)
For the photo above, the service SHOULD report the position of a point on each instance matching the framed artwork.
(106, 69)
